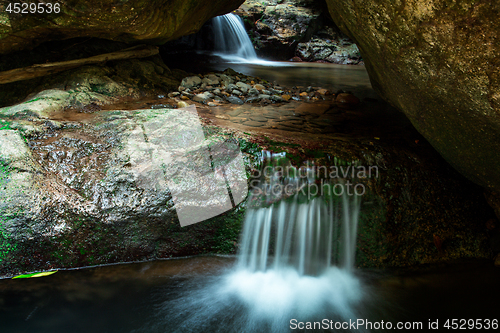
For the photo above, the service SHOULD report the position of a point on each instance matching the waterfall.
(297, 250)
(295, 263)
(231, 39)
(305, 233)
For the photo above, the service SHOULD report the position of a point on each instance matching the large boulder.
(156, 21)
(437, 61)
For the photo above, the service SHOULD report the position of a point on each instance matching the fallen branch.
(38, 70)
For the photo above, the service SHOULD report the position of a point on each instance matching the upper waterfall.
(231, 39)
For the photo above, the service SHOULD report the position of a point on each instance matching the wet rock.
(190, 82)
(226, 80)
(231, 72)
(210, 80)
(236, 92)
(187, 94)
(234, 100)
(259, 87)
(280, 25)
(253, 92)
(254, 99)
(182, 104)
(276, 98)
(202, 98)
(346, 101)
(243, 86)
(231, 87)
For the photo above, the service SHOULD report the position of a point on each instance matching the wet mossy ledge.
(72, 197)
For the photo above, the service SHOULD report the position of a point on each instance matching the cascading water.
(306, 234)
(231, 39)
(289, 247)
(286, 268)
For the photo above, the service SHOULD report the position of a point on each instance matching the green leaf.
(34, 275)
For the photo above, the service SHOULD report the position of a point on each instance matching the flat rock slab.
(259, 118)
(253, 123)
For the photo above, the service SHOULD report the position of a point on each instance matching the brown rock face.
(438, 61)
(156, 21)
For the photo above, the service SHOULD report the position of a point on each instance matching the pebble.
(254, 99)
(211, 80)
(231, 87)
(238, 89)
(253, 92)
(259, 87)
(182, 105)
(243, 86)
(187, 94)
(200, 98)
(191, 81)
(235, 100)
(347, 101)
(211, 104)
(276, 99)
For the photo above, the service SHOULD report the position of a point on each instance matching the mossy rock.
(128, 21)
(437, 61)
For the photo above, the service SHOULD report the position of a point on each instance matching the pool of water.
(349, 78)
(183, 295)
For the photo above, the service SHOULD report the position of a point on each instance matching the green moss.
(6, 244)
(5, 125)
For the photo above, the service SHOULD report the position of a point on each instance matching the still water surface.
(177, 296)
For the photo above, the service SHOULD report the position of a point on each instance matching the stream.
(190, 294)
(171, 296)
